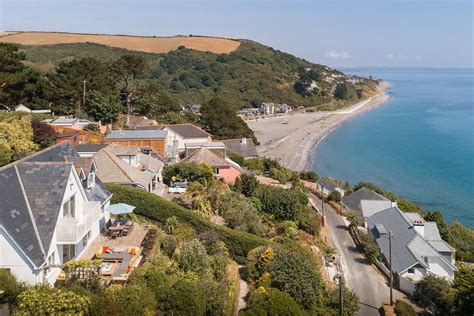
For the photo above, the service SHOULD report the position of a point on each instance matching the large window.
(69, 208)
(69, 252)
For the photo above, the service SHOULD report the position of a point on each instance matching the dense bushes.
(187, 172)
(404, 309)
(185, 297)
(10, 287)
(268, 302)
(281, 203)
(158, 209)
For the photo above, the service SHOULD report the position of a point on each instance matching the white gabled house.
(49, 213)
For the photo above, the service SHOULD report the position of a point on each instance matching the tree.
(283, 204)
(185, 297)
(220, 119)
(335, 196)
(43, 134)
(248, 184)
(126, 71)
(171, 223)
(132, 299)
(194, 257)
(436, 293)
(294, 272)
(10, 287)
(68, 83)
(187, 172)
(462, 239)
(345, 91)
(102, 107)
(5, 153)
(270, 301)
(464, 286)
(16, 134)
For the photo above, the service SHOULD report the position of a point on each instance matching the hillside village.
(158, 205)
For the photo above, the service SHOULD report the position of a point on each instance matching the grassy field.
(146, 44)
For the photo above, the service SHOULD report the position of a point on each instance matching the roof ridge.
(24, 159)
(30, 212)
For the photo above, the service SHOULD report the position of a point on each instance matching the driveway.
(365, 280)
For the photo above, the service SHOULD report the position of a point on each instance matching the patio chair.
(115, 234)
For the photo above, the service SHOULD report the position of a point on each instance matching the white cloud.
(337, 55)
(390, 56)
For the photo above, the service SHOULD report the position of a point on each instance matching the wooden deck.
(134, 238)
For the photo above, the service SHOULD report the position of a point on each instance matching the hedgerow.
(158, 209)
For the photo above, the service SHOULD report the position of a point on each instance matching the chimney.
(394, 203)
(243, 141)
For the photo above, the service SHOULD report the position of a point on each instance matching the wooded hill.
(245, 77)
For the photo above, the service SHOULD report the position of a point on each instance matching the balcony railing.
(71, 229)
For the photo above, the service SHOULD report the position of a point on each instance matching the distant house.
(193, 107)
(48, 214)
(283, 109)
(249, 112)
(224, 168)
(69, 122)
(242, 146)
(128, 165)
(352, 202)
(134, 121)
(154, 139)
(23, 108)
(268, 108)
(417, 247)
(327, 186)
(216, 147)
(181, 135)
(72, 137)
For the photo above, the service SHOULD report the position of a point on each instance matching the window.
(69, 207)
(69, 252)
(426, 259)
(217, 171)
(90, 180)
(85, 239)
(411, 271)
(52, 258)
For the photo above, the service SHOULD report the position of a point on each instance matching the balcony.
(71, 229)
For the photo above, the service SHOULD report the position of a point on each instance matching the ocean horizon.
(418, 145)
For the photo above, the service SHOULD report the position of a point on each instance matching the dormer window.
(91, 180)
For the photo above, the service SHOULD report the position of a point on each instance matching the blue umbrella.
(120, 208)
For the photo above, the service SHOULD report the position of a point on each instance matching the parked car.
(178, 187)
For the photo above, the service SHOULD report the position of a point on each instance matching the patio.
(134, 238)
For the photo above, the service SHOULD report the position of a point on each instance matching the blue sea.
(419, 145)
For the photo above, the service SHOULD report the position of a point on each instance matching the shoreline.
(292, 139)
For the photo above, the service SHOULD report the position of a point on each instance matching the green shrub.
(158, 209)
(169, 244)
(283, 204)
(335, 196)
(309, 176)
(187, 172)
(238, 159)
(193, 257)
(272, 302)
(45, 300)
(254, 164)
(10, 286)
(404, 309)
(132, 299)
(185, 297)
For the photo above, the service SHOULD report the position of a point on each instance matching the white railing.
(70, 229)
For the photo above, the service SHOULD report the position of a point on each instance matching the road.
(364, 279)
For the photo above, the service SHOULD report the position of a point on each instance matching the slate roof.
(90, 148)
(188, 130)
(54, 153)
(137, 134)
(408, 246)
(327, 184)
(246, 149)
(352, 201)
(15, 217)
(370, 207)
(209, 157)
(112, 169)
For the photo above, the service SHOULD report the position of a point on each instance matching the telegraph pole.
(84, 95)
(341, 287)
(390, 236)
(322, 205)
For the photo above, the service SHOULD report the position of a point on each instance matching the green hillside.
(252, 74)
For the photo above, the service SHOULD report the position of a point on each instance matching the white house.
(326, 186)
(23, 108)
(417, 247)
(180, 135)
(50, 212)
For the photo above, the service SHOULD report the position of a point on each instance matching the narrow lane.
(365, 280)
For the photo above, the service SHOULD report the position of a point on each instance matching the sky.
(351, 33)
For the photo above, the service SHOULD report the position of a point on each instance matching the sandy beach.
(291, 139)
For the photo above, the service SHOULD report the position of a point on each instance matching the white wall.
(12, 258)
